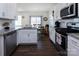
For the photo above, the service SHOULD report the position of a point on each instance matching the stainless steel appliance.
(10, 41)
(61, 39)
(69, 11)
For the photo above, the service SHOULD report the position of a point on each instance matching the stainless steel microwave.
(69, 11)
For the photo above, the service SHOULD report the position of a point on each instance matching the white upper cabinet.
(8, 10)
(1, 10)
(78, 9)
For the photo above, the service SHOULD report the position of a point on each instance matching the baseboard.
(52, 42)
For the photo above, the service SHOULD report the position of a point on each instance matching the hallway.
(43, 48)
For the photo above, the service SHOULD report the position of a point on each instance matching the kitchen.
(17, 27)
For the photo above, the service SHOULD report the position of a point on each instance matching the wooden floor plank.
(43, 48)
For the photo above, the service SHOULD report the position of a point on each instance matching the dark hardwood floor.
(43, 48)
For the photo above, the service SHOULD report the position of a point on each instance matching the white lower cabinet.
(33, 38)
(52, 34)
(27, 36)
(1, 10)
(1, 46)
(73, 46)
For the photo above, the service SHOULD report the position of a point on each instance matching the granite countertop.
(3, 31)
(28, 28)
(75, 35)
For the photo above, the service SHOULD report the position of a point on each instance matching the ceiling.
(34, 6)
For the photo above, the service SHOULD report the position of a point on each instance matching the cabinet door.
(10, 43)
(1, 46)
(52, 34)
(7, 45)
(33, 38)
(23, 36)
(73, 50)
(73, 46)
(27, 36)
(1, 10)
(32, 35)
(10, 10)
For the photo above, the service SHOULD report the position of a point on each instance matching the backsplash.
(3, 21)
(64, 22)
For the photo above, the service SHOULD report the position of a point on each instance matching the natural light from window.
(18, 23)
(36, 21)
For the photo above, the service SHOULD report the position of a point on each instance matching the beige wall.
(26, 20)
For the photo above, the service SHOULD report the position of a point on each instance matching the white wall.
(26, 20)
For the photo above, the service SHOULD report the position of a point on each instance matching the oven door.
(64, 42)
(58, 38)
(61, 40)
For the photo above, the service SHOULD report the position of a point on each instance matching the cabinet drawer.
(73, 41)
(33, 31)
(23, 31)
(73, 51)
(28, 31)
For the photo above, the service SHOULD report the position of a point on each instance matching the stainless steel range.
(61, 39)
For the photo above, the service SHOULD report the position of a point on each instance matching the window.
(18, 22)
(36, 21)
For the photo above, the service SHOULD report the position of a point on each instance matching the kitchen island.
(27, 36)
